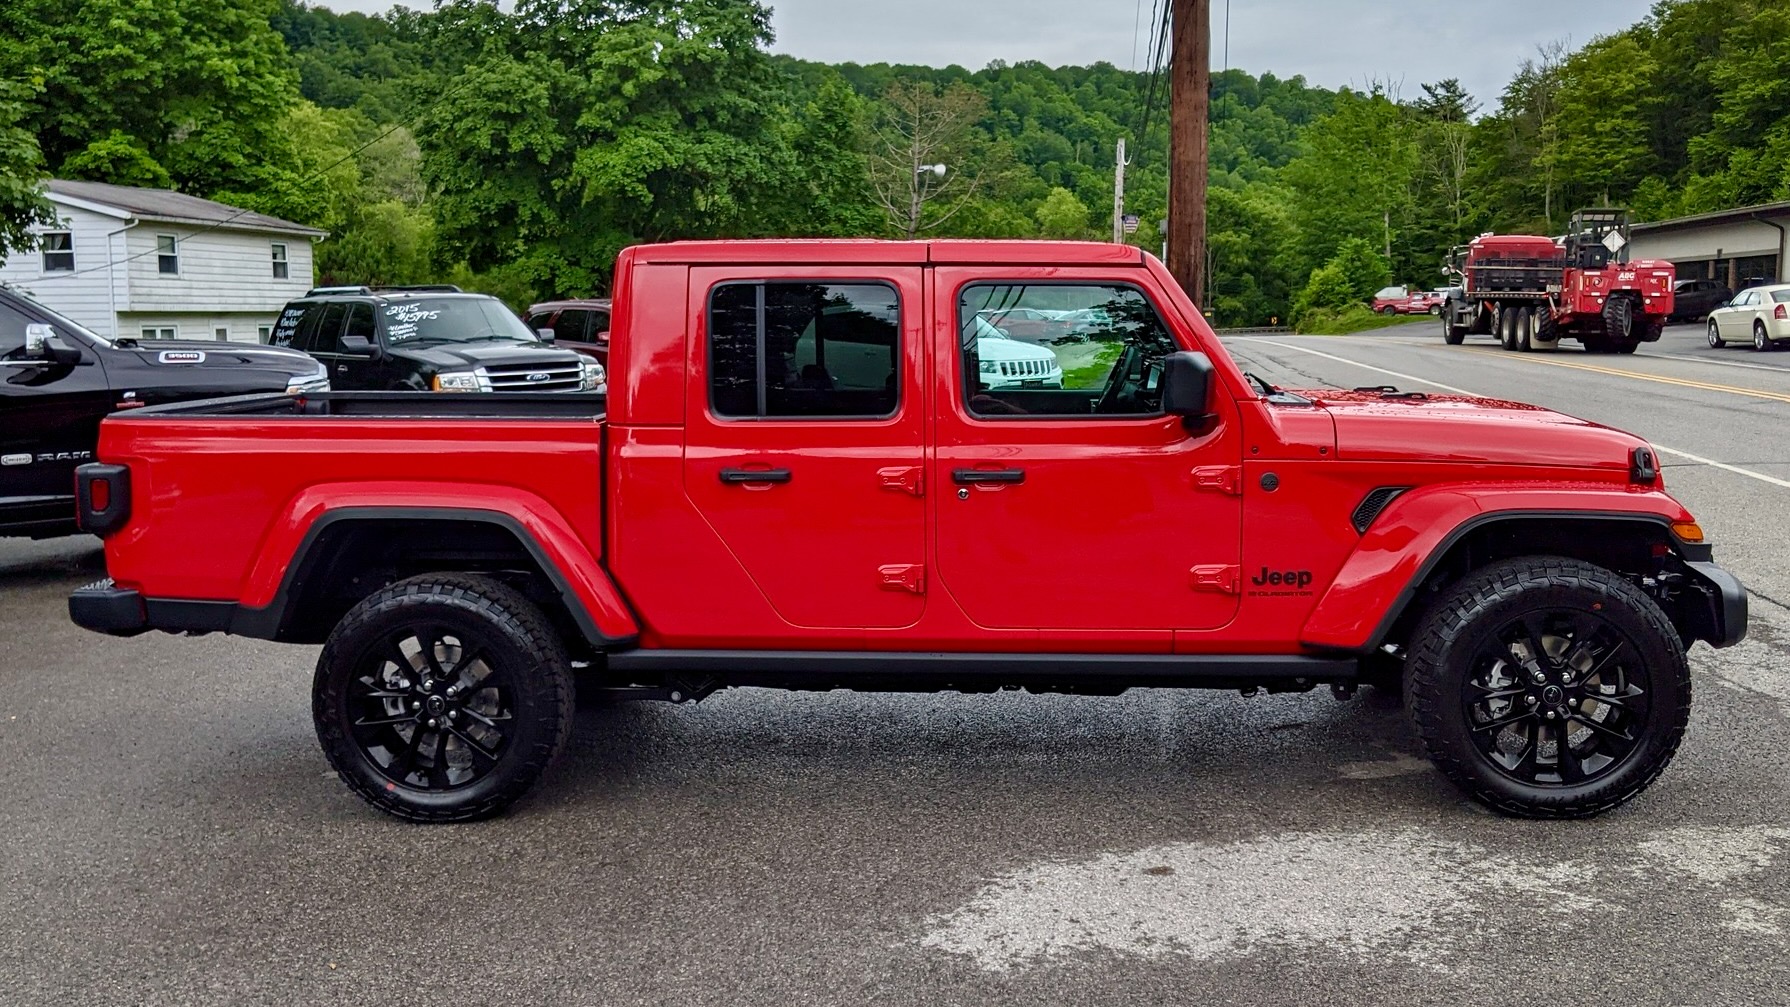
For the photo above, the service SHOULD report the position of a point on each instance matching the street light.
(935, 169)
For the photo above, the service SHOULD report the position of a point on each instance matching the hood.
(213, 355)
(1458, 428)
(457, 356)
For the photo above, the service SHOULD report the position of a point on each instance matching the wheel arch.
(1386, 585)
(348, 553)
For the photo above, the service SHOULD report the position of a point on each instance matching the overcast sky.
(1331, 42)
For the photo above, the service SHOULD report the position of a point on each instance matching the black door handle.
(755, 475)
(968, 477)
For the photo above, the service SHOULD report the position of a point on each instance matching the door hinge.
(905, 478)
(1226, 479)
(909, 577)
(1220, 579)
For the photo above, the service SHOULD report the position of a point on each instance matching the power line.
(1158, 64)
(308, 178)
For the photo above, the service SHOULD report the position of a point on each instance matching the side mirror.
(547, 335)
(357, 344)
(42, 343)
(1187, 384)
(37, 337)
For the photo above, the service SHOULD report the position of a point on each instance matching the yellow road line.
(1660, 378)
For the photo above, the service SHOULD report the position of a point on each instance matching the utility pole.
(1190, 80)
(1119, 195)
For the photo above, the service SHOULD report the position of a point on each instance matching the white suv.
(1006, 362)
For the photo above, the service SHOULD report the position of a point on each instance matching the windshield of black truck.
(453, 320)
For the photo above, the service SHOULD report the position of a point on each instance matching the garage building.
(1741, 248)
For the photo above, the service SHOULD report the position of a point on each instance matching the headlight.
(594, 378)
(460, 381)
(305, 384)
(990, 367)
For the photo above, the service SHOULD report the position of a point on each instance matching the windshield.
(453, 320)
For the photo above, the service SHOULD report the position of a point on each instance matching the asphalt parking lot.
(171, 833)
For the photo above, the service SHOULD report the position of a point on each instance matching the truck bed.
(224, 483)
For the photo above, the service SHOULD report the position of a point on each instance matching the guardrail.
(1253, 328)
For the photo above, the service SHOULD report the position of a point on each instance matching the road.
(171, 833)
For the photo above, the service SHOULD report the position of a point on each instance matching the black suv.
(59, 379)
(435, 338)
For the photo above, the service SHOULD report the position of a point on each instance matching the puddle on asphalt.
(1369, 895)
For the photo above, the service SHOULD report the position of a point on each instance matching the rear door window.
(795, 349)
(571, 325)
(323, 336)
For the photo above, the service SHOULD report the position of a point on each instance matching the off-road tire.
(1716, 341)
(1547, 328)
(1472, 611)
(1619, 319)
(521, 643)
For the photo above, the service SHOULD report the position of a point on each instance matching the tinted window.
(285, 328)
(570, 325)
(322, 338)
(804, 349)
(361, 323)
(1100, 352)
(599, 322)
(12, 333)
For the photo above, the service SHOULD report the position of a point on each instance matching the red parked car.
(581, 324)
(806, 477)
(1403, 301)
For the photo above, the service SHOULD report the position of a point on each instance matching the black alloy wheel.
(1547, 687)
(1551, 700)
(442, 697)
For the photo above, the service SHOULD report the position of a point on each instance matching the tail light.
(102, 497)
(1779, 312)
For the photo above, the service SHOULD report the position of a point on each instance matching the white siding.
(82, 295)
(1734, 240)
(226, 277)
(220, 271)
(242, 327)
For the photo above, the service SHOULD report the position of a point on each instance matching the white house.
(157, 264)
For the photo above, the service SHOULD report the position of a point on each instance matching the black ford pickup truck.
(58, 379)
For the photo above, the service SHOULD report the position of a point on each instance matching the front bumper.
(1725, 603)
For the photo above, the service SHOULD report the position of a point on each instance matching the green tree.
(1357, 177)
(588, 125)
(1061, 215)
(198, 86)
(22, 203)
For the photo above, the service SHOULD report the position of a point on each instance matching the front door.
(803, 430)
(49, 422)
(1067, 499)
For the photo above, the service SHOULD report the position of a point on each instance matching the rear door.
(803, 438)
(1080, 506)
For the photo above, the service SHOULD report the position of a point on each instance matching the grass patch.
(1355, 318)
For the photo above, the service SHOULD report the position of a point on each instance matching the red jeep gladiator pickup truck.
(819, 466)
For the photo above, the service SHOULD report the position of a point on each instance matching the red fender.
(568, 559)
(1390, 562)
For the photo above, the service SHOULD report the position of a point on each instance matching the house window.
(161, 332)
(263, 334)
(59, 251)
(167, 254)
(222, 333)
(281, 268)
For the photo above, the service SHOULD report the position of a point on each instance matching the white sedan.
(1760, 316)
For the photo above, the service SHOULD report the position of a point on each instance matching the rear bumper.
(104, 607)
(1727, 605)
